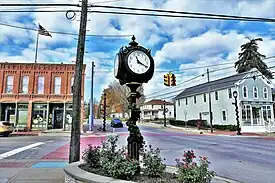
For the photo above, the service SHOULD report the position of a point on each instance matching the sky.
(185, 46)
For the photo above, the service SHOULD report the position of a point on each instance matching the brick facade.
(46, 102)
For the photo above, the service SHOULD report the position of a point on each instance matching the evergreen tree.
(250, 58)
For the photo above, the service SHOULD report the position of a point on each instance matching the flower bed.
(111, 162)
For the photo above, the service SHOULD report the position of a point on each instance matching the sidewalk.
(55, 175)
(207, 132)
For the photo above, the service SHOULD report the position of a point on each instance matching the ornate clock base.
(135, 139)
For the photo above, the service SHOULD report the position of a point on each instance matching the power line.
(111, 1)
(172, 92)
(35, 5)
(142, 14)
(180, 16)
(37, 11)
(183, 12)
(63, 33)
(178, 84)
(200, 67)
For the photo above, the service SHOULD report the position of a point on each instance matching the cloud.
(177, 43)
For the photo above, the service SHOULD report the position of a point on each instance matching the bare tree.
(120, 94)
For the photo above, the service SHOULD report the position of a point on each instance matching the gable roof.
(157, 102)
(215, 85)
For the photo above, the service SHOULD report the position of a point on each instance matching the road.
(245, 159)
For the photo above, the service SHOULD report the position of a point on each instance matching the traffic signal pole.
(164, 113)
(104, 113)
(91, 117)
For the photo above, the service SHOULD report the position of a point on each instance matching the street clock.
(133, 64)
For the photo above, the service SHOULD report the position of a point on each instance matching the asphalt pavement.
(246, 159)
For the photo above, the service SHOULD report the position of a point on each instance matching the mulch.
(165, 178)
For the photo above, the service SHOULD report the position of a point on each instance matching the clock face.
(116, 62)
(138, 62)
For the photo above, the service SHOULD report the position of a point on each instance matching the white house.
(154, 109)
(254, 99)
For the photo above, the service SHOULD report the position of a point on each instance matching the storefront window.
(246, 114)
(68, 116)
(39, 116)
(266, 112)
(22, 115)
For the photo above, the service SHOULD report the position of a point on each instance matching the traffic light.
(167, 80)
(173, 80)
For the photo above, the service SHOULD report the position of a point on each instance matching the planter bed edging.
(74, 174)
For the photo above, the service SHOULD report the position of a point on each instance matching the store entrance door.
(58, 118)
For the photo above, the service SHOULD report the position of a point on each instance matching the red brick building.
(37, 96)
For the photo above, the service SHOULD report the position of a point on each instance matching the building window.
(229, 93)
(195, 99)
(186, 101)
(24, 84)
(57, 85)
(266, 112)
(179, 102)
(224, 117)
(216, 95)
(246, 113)
(265, 93)
(161, 106)
(204, 97)
(40, 87)
(72, 83)
(9, 84)
(245, 91)
(152, 106)
(255, 92)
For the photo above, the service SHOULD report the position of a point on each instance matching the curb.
(207, 133)
(23, 134)
(75, 174)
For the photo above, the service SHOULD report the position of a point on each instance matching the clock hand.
(139, 62)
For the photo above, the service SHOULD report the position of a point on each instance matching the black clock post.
(134, 66)
(135, 139)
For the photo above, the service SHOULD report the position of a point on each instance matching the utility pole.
(164, 113)
(209, 100)
(92, 100)
(104, 113)
(74, 155)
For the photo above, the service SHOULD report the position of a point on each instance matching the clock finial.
(133, 43)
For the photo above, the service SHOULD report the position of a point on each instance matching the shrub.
(193, 122)
(225, 127)
(152, 162)
(91, 156)
(121, 167)
(115, 163)
(191, 172)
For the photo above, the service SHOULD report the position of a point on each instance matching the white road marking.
(18, 150)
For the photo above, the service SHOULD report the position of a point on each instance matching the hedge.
(203, 123)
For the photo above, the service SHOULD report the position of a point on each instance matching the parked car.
(6, 128)
(116, 122)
